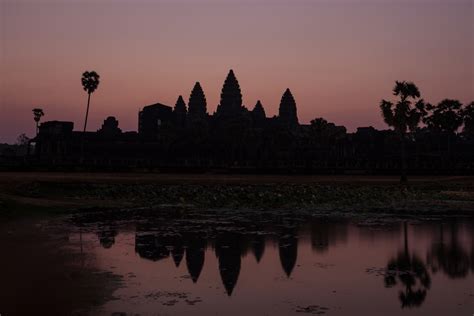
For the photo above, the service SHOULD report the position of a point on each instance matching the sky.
(338, 57)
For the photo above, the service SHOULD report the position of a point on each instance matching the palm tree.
(37, 114)
(90, 82)
(404, 115)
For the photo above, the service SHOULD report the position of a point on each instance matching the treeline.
(409, 110)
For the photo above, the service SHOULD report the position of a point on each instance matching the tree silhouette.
(107, 236)
(37, 114)
(410, 270)
(90, 82)
(404, 115)
(446, 117)
(150, 246)
(22, 140)
(324, 132)
(468, 118)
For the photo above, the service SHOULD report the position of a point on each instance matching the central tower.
(231, 97)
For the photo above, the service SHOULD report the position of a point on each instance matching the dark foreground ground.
(37, 193)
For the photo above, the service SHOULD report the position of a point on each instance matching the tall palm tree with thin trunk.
(90, 83)
(37, 114)
(404, 116)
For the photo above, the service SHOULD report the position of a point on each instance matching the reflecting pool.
(240, 263)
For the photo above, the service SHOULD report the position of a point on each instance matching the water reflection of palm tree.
(107, 236)
(288, 249)
(228, 252)
(411, 272)
(195, 245)
(451, 258)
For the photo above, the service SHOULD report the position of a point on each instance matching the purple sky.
(338, 57)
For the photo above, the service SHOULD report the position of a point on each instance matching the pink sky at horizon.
(339, 58)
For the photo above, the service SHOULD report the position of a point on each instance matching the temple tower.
(197, 105)
(258, 111)
(231, 97)
(287, 112)
(180, 112)
(258, 114)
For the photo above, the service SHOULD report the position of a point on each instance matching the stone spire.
(258, 111)
(231, 96)
(180, 112)
(197, 105)
(287, 112)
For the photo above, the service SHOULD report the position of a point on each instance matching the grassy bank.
(58, 193)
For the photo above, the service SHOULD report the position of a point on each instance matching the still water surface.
(278, 265)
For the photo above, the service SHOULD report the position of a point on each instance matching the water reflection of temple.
(258, 246)
(177, 249)
(195, 244)
(228, 246)
(325, 234)
(288, 249)
(409, 271)
(155, 244)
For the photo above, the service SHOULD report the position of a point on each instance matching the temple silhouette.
(187, 137)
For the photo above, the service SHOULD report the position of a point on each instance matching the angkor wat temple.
(187, 137)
